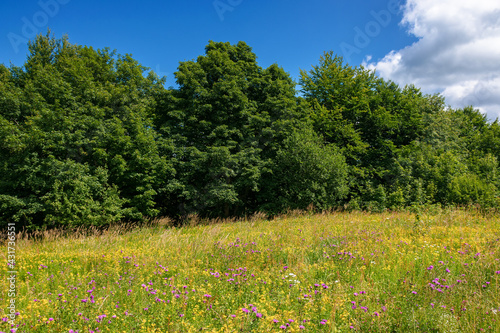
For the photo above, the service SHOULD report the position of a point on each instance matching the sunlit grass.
(333, 272)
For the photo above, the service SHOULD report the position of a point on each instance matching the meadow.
(336, 272)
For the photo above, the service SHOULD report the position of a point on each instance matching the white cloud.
(457, 54)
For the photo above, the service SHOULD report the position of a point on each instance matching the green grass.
(336, 272)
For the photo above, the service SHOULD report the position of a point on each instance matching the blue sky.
(159, 34)
(389, 36)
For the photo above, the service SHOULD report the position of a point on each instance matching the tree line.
(91, 137)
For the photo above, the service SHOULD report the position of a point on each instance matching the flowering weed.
(331, 272)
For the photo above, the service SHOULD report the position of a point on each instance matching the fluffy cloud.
(457, 54)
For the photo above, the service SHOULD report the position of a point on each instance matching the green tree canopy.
(77, 144)
(89, 137)
(227, 119)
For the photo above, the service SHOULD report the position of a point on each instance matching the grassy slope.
(336, 272)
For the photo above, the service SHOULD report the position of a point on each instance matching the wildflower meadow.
(336, 272)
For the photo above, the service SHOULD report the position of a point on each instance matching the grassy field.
(338, 272)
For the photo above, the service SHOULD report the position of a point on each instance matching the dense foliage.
(88, 137)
